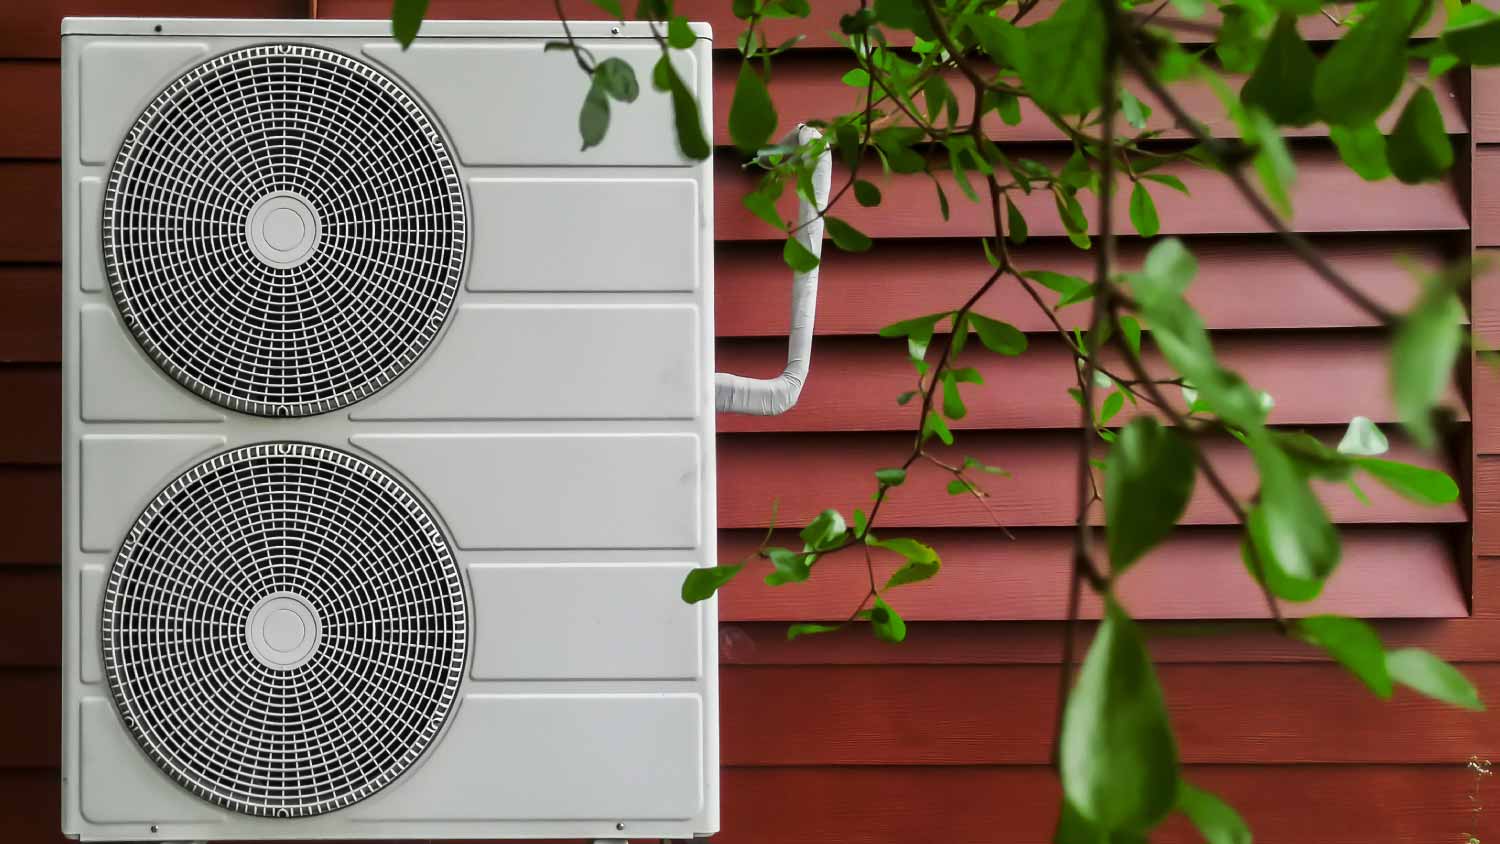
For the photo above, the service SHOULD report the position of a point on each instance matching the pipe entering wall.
(773, 396)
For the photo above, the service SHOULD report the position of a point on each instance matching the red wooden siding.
(840, 739)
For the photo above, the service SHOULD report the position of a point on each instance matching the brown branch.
(1104, 255)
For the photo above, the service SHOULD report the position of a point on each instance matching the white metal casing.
(560, 429)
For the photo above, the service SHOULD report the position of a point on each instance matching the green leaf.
(1312, 457)
(906, 397)
(1420, 484)
(1001, 40)
(1066, 286)
(953, 403)
(1147, 483)
(701, 584)
(904, 14)
(922, 561)
(1236, 43)
(935, 426)
(1015, 223)
(886, 623)
(1363, 148)
(967, 375)
(1281, 584)
(679, 34)
(1282, 83)
(685, 116)
(999, 337)
(856, 78)
(922, 326)
(942, 199)
(1008, 106)
(797, 256)
(1273, 162)
(611, 8)
(406, 20)
(1113, 404)
(1293, 534)
(1143, 211)
(1117, 756)
(1363, 438)
(1075, 172)
(788, 9)
(593, 118)
(1167, 179)
(1216, 820)
(1473, 35)
(1364, 71)
(793, 631)
(890, 477)
(1168, 270)
(617, 78)
(1298, 7)
(1353, 643)
(1421, 671)
(791, 566)
(845, 236)
(866, 194)
(1422, 358)
(896, 142)
(1418, 149)
(826, 531)
(917, 331)
(1136, 112)
(752, 115)
(1130, 332)
(763, 207)
(1064, 66)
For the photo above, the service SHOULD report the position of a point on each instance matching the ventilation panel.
(284, 230)
(284, 629)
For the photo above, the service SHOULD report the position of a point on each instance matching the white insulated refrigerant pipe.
(773, 396)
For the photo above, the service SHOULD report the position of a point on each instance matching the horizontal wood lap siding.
(1386, 573)
(1329, 197)
(1243, 282)
(807, 472)
(944, 738)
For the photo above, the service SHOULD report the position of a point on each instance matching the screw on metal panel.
(614, 30)
(620, 826)
(157, 29)
(153, 826)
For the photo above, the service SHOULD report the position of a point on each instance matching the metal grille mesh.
(284, 230)
(277, 526)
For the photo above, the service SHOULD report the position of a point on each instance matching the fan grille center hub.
(283, 229)
(283, 631)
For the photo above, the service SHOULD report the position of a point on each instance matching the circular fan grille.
(284, 629)
(284, 230)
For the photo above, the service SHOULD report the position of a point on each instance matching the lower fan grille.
(284, 629)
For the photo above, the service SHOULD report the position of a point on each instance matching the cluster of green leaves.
(1116, 751)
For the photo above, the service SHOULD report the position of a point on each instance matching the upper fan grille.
(284, 629)
(284, 230)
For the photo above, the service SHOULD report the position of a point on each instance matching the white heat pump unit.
(388, 436)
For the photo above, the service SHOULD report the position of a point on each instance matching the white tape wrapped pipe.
(773, 396)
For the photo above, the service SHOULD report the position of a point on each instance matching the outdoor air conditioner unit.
(388, 436)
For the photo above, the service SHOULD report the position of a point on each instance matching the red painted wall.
(841, 739)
